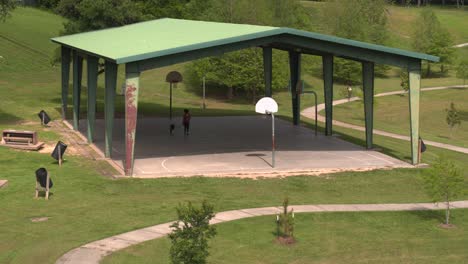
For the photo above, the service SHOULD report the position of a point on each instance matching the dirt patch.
(3, 183)
(447, 226)
(39, 219)
(286, 241)
(49, 147)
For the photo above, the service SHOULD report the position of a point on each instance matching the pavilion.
(157, 43)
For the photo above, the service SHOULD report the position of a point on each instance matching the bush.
(190, 234)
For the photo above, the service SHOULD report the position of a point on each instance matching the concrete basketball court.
(236, 146)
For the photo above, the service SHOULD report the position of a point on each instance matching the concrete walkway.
(93, 252)
(310, 113)
(461, 45)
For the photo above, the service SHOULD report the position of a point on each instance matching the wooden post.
(132, 80)
(110, 83)
(414, 73)
(37, 189)
(59, 156)
(92, 66)
(47, 187)
(327, 61)
(65, 79)
(77, 73)
(368, 87)
(419, 151)
(295, 75)
(267, 69)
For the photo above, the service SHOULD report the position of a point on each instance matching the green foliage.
(404, 80)
(48, 4)
(444, 183)
(462, 71)
(453, 117)
(430, 37)
(286, 221)
(191, 233)
(363, 20)
(5, 8)
(87, 15)
(241, 72)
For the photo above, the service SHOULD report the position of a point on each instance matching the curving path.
(310, 113)
(93, 252)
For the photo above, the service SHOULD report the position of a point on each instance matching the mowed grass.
(85, 206)
(392, 115)
(371, 237)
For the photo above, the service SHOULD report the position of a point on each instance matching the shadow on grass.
(426, 215)
(7, 118)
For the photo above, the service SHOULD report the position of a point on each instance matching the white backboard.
(266, 105)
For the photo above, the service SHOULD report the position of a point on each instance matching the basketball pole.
(204, 104)
(273, 140)
(170, 101)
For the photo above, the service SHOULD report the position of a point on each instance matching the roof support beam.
(109, 108)
(414, 72)
(77, 74)
(92, 68)
(167, 60)
(368, 87)
(347, 51)
(132, 82)
(268, 69)
(295, 75)
(327, 64)
(66, 58)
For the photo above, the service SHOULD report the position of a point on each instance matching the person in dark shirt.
(186, 121)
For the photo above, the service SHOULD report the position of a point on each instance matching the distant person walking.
(350, 92)
(186, 121)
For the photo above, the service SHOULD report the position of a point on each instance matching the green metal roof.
(167, 36)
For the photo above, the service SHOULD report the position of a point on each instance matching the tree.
(242, 71)
(86, 15)
(190, 234)
(286, 222)
(444, 183)
(462, 71)
(362, 20)
(5, 8)
(404, 80)
(452, 118)
(430, 37)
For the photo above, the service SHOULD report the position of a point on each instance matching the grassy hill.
(87, 207)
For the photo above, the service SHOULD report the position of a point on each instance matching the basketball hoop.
(268, 106)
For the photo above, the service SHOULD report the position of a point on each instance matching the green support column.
(92, 67)
(66, 58)
(267, 69)
(295, 75)
(327, 62)
(110, 85)
(132, 81)
(77, 73)
(368, 87)
(414, 72)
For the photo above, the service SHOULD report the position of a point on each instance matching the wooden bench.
(21, 139)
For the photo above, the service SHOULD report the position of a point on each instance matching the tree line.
(241, 72)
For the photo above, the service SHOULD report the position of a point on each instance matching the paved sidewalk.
(310, 113)
(3, 183)
(93, 252)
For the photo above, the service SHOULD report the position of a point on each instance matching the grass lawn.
(86, 206)
(375, 237)
(392, 115)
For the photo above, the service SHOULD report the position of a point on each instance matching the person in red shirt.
(186, 121)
